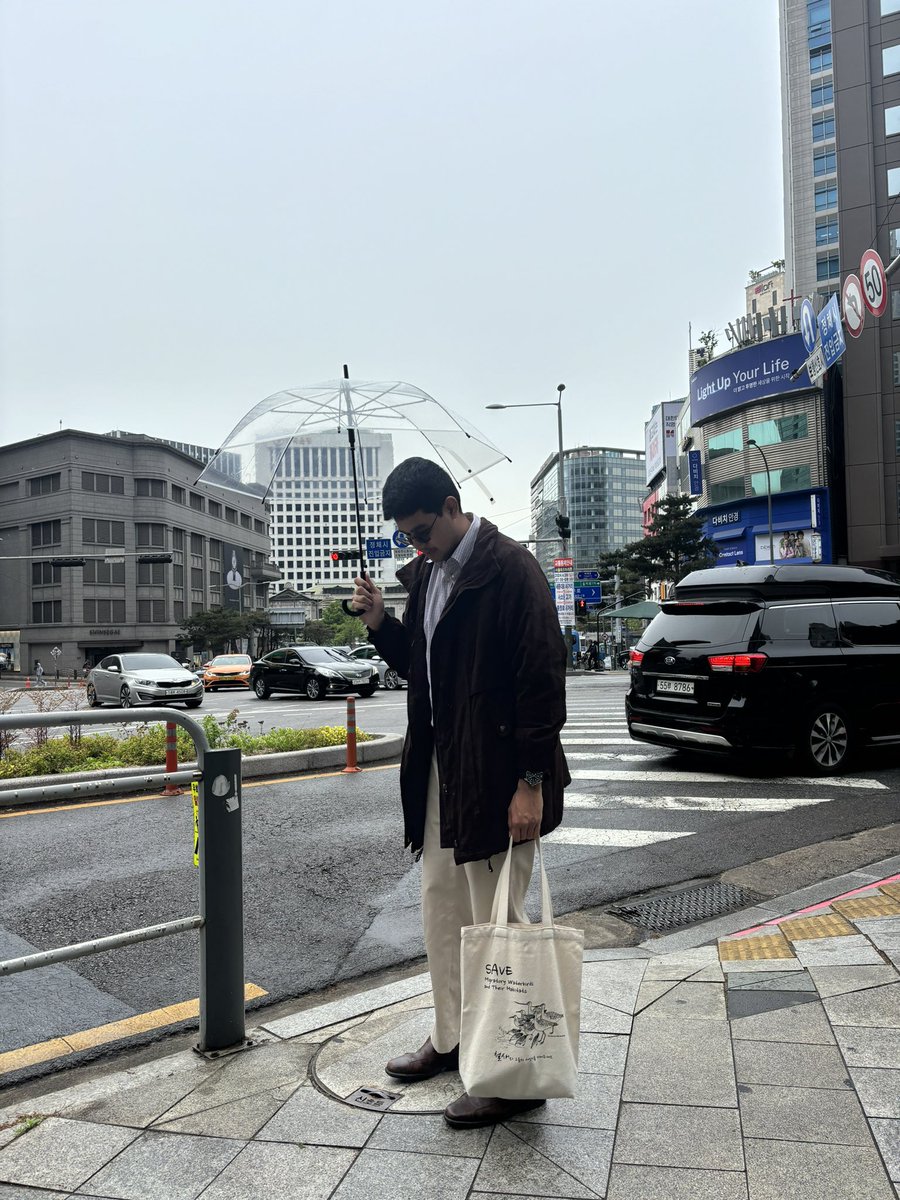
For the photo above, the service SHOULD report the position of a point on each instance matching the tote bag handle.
(500, 907)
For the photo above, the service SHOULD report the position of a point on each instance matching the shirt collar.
(453, 565)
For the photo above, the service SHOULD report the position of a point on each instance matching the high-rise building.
(841, 96)
(604, 491)
(312, 507)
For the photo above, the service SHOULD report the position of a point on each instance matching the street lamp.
(753, 442)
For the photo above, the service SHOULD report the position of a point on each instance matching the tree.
(632, 585)
(220, 628)
(318, 633)
(675, 543)
(345, 630)
(708, 342)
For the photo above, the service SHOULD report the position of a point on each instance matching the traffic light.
(345, 556)
(581, 608)
(154, 558)
(563, 526)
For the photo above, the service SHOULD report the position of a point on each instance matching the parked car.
(129, 679)
(227, 670)
(387, 676)
(313, 671)
(801, 658)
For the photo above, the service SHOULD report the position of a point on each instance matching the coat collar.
(481, 566)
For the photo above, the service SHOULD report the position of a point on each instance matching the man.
(481, 648)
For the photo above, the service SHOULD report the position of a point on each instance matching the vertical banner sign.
(195, 804)
(564, 579)
(233, 575)
(831, 332)
(695, 472)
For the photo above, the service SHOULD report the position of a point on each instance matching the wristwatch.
(534, 778)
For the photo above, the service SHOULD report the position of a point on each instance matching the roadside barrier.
(221, 917)
(352, 767)
(172, 789)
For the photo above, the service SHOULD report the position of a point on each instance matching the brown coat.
(498, 665)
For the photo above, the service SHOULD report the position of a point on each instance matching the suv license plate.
(675, 685)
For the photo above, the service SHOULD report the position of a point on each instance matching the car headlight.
(146, 682)
(330, 673)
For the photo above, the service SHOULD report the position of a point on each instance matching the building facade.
(604, 491)
(111, 501)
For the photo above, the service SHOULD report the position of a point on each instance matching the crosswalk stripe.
(704, 803)
(622, 838)
(611, 775)
(597, 741)
(605, 755)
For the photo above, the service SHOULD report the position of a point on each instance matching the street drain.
(676, 909)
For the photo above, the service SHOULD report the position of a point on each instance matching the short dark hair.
(416, 484)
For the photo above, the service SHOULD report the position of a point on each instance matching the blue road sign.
(832, 332)
(397, 539)
(587, 591)
(378, 548)
(808, 325)
(583, 575)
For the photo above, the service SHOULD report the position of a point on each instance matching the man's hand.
(525, 811)
(368, 602)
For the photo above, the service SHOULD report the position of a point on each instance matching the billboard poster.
(791, 545)
(659, 437)
(233, 575)
(695, 472)
(747, 375)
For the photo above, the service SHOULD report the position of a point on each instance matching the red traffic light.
(335, 556)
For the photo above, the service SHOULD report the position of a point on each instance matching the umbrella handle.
(350, 610)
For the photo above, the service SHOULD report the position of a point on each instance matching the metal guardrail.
(221, 917)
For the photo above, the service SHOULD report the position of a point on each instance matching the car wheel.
(194, 703)
(367, 690)
(125, 700)
(826, 742)
(259, 687)
(315, 689)
(391, 680)
(92, 696)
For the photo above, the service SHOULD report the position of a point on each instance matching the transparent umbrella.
(250, 459)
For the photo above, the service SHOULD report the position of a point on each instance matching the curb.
(257, 766)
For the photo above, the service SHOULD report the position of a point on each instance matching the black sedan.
(313, 671)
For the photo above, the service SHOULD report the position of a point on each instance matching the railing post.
(222, 1024)
(351, 768)
(172, 789)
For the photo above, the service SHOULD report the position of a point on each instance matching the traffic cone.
(27, 682)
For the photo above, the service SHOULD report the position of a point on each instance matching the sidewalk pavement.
(756, 1057)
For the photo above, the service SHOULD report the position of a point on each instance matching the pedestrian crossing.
(630, 795)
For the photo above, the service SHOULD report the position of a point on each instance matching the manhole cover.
(675, 909)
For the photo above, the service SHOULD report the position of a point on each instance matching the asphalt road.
(329, 891)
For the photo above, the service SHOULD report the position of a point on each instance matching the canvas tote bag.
(521, 1001)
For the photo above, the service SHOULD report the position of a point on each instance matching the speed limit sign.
(874, 283)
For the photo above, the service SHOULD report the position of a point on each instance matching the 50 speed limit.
(874, 283)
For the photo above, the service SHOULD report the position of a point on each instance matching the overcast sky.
(205, 201)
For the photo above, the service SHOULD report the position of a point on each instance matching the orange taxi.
(227, 670)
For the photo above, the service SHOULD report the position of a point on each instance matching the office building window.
(823, 128)
(889, 6)
(820, 58)
(825, 161)
(893, 181)
(178, 494)
(897, 437)
(103, 610)
(43, 573)
(196, 502)
(821, 93)
(890, 60)
(896, 364)
(151, 573)
(93, 481)
(818, 14)
(245, 521)
(103, 533)
(728, 489)
(826, 230)
(724, 443)
(94, 571)
(230, 515)
(43, 485)
(150, 534)
(151, 611)
(150, 487)
(215, 509)
(826, 196)
(46, 612)
(46, 533)
(827, 266)
(788, 479)
(895, 304)
(779, 429)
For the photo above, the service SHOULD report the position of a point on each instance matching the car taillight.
(636, 657)
(739, 664)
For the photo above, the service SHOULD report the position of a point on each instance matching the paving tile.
(878, 1090)
(614, 984)
(429, 1134)
(799, 1114)
(12, 1192)
(692, 1002)
(837, 981)
(711, 974)
(348, 1006)
(584, 1153)
(241, 1119)
(513, 1167)
(879, 1006)
(782, 1063)
(173, 1165)
(760, 966)
(664, 1135)
(873, 927)
(673, 1183)
(853, 951)
(599, 1018)
(804, 1024)
(614, 952)
(809, 1171)
(651, 990)
(62, 1154)
(315, 1119)
(869, 1047)
(690, 939)
(600, 1054)
(285, 1172)
(776, 981)
(887, 1135)
(748, 1002)
(823, 923)
(679, 966)
(392, 1175)
(679, 1062)
(765, 945)
(595, 1105)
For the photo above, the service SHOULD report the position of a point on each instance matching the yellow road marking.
(252, 783)
(28, 1056)
(824, 925)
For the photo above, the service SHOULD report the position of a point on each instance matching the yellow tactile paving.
(27, 1056)
(761, 945)
(827, 924)
(891, 889)
(858, 907)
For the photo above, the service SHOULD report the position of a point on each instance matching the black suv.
(803, 658)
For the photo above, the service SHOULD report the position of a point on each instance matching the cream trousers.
(453, 896)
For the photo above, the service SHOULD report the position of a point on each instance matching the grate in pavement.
(676, 909)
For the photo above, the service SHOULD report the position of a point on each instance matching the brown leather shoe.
(422, 1063)
(472, 1112)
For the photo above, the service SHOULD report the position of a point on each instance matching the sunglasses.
(420, 535)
